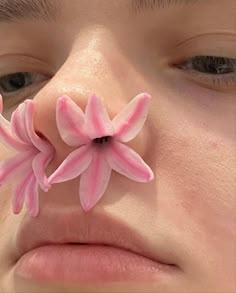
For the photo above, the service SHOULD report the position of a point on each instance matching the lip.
(50, 240)
(88, 264)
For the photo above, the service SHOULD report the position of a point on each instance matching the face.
(184, 56)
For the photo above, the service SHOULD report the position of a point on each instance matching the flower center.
(101, 140)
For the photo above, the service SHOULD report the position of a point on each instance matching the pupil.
(212, 68)
(17, 80)
(213, 65)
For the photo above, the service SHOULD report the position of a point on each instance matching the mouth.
(93, 249)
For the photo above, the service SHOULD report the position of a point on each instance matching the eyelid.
(217, 36)
(22, 63)
(209, 44)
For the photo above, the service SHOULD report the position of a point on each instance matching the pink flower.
(26, 167)
(101, 145)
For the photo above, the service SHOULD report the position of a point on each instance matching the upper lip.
(79, 227)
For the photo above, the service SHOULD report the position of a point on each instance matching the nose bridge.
(96, 54)
(95, 65)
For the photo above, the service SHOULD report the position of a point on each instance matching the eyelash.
(216, 78)
(188, 65)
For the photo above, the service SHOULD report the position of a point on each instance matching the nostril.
(40, 134)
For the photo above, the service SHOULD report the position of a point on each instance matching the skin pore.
(117, 49)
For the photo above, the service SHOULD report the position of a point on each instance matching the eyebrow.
(140, 5)
(46, 10)
(13, 10)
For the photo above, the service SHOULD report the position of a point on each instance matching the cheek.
(6, 189)
(5, 203)
(198, 182)
(210, 179)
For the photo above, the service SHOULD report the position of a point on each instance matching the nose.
(95, 65)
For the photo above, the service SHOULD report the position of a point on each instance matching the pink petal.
(39, 164)
(8, 138)
(15, 166)
(94, 181)
(32, 197)
(18, 123)
(130, 120)
(127, 162)
(97, 121)
(72, 166)
(1, 104)
(19, 193)
(70, 122)
(38, 142)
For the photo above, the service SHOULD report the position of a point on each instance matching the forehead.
(50, 9)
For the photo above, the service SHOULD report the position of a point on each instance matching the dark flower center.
(101, 140)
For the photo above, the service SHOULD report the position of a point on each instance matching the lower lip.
(88, 264)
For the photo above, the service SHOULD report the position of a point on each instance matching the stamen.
(101, 140)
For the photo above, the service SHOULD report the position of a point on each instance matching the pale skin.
(189, 138)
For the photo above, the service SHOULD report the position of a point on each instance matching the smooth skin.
(189, 139)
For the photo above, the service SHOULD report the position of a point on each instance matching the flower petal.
(39, 165)
(18, 123)
(72, 166)
(19, 193)
(32, 197)
(127, 162)
(70, 122)
(8, 138)
(130, 120)
(15, 166)
(97, 121)
(94, 181)
(38, 142)
(1, 104)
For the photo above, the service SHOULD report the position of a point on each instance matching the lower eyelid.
(226, 82)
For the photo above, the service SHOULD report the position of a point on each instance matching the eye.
(18, 86)
(17, 81)
(212, 64)
(215, 69)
